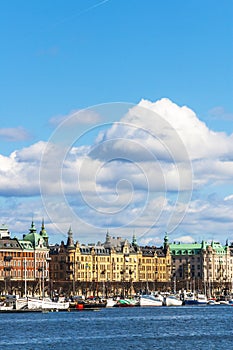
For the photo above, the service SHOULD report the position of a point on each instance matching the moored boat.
(212, 302)
(127, 302)
(5, 307)
(189, 299)
(201, 299)
(195, 299)
(111, 302)
(173, 300)
(21, 303)
(46, 304)
(89, 303)
(151, 300)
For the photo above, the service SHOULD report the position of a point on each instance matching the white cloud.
(80, 117)
(184, 239)
(19, 174)
(14, 134)
(219, 112)
(229, 198)
(136, 176)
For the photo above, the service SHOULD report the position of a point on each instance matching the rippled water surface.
(194, 327)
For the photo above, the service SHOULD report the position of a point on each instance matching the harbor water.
(185, 327)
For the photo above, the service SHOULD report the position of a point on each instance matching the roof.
(10, 243)
(36, 239)
(25, 244)
(185, 248)
(195, 248)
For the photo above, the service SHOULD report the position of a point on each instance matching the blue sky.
(60, 57)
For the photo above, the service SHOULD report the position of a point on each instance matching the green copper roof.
(26, 244)
(195, 248)
(43, 232)
(185, 248)
(33, 237)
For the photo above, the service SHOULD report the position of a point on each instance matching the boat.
(127, 302)
(7, 303)
(21, 303)
(189, 298)
(47, 304)
(91, 303)
(151, 300)
(192, 299)
(201, 299)
(224, 302)
(212, 302)
(5, 307)
(111, 302)
(173, 300)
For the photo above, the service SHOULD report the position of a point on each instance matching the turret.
(134, 243)
(44, 234)
(165, 243)
(70, 240)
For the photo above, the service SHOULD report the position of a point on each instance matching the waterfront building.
(207, 267)
(187, 265)
(113, 267)
(24, 266)
(30, 266)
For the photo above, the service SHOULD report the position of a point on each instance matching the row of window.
(20, 273)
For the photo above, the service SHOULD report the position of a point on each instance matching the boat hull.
(173, 301)
(45, 304)
(150, 300)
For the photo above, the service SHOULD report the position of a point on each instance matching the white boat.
(46, 304)
(173, 300)
(196, 299)
(213, 302)
(189, 298)
(6, 307)
(151, 300)
(21, 303)
(201, 299)
(111, 302)
(224, 302)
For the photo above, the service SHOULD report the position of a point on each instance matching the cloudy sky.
(117, 115)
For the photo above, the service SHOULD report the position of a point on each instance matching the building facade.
(113, 267)
(24, 266)
(30, 266)
(207, 267)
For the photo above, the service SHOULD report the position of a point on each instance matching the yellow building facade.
(115, 264)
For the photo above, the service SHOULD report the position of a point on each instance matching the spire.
(42, 225)
(165, 243)
(44, 234)
(70, 240)
(134, 241)
(32, 228)
(107, 237)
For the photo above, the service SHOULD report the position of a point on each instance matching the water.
(186, 327)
